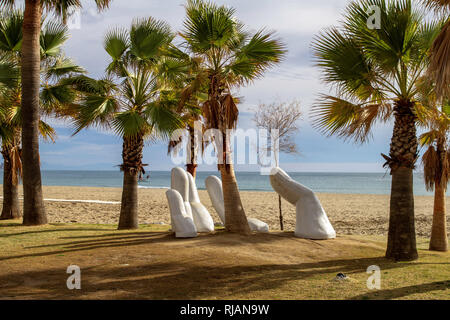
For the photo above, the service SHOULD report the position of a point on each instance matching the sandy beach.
(349, 213)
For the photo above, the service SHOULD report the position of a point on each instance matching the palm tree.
(436, 159)
(54, 68)
(11, 169)
(228, 57)
(436, 162)
(33, 209)
(440, 51)
(128, 102)
(375, 74)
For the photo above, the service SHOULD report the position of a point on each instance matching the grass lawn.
(150, 263)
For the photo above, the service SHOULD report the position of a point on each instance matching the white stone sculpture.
(214, 187)
(183, 183)
(312, 221)
(202, 218)
(182, 222)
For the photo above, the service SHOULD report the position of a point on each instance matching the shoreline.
(350, 214)
(240, 190)
(324, 182)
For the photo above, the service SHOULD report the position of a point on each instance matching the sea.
(324, 182)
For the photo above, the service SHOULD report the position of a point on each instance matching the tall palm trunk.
(235, 218)
(402, 157)
(11, 208)
(439, 240)
(223, 118)
(131, 167)
(33, 204)
(191, 167)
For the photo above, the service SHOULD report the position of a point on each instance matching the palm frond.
(436, 168)
(439, 67)
(116, 43)
(337, 116)
(95, 110)
(437, 5)
(53, 36)
(9, 75)
(260, 53)
(163, 121)
(8, 4)
(208, 25)
(62, 8)
(11, 31)
(343, 63)
(47, 132)
(129, 124)
(54, 98)
(62, 67)
(148, 37)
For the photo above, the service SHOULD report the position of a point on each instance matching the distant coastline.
(322, 182)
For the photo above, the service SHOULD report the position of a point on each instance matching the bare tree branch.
(281, 116)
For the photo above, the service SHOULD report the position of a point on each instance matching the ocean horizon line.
(321, 182)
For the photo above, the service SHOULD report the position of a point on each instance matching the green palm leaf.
(9, 75)
(148, 37)
(208, 25)
(95, 110)
(130, 124)
(260, 53)
(116, 43)
(53, 36)
(62, 67)
(11, 31)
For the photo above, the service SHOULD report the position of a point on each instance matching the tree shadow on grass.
(187, 280)
(404, 291)
(50, 231)
(10, 224)
(111, 240)
(135, 239)
(146, 238)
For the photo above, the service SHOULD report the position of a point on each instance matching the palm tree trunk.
(131, 167)
(11, 208)
(33, 208)
(129, 208)
(402, 235)
(402, 157)
(439, 240)
(191, 167)
(281, 213)
(235, 218)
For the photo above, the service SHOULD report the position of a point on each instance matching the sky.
(296, 23)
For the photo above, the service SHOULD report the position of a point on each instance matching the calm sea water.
(363, 183)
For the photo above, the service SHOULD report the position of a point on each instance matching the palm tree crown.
(370, 68)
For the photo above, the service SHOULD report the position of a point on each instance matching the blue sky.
(296, 22)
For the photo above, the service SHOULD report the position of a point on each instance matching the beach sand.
(349, 213)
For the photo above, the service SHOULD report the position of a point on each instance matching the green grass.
(149, 263)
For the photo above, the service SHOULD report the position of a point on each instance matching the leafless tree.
(280, 120)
